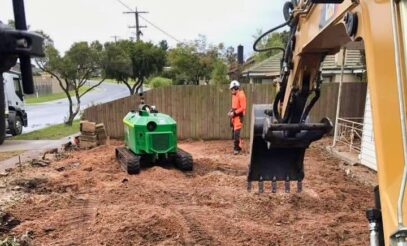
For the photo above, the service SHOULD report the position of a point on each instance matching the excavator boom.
(281, 131)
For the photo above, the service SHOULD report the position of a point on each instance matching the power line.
(149, 22)
(161, 30)
(126, 6)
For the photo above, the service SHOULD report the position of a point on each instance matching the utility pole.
(137, 26)
(115, 37)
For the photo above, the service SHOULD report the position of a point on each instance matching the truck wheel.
(16, 128)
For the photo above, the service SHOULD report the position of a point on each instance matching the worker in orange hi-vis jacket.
(236, 114)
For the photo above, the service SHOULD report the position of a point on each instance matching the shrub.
(159, 82)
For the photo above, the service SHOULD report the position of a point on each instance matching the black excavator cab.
(277, 150)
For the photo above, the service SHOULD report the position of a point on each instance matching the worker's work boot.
(237, 150)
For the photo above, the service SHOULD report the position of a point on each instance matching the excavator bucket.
(277, 150)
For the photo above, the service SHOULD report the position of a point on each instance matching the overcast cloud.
(232, 22)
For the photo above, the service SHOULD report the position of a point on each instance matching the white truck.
(15, 115)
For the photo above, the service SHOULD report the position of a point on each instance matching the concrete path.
(33, 149)
(16, 145)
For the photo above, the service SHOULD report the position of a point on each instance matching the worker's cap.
(234, 83)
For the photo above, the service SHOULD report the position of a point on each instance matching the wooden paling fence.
(201, 111)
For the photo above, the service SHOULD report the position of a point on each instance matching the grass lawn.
(9, 154)
(50, 133)
(51, 97)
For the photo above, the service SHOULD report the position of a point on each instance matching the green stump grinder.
(151, 137)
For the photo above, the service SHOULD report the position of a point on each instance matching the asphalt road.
(54, 112)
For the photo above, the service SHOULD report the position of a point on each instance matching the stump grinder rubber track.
(128, 161)
(132, 163)
(183, 160)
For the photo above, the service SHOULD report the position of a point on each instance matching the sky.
(232, 22)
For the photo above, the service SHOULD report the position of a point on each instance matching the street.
(54, 112)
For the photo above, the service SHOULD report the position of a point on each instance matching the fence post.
(338, 105)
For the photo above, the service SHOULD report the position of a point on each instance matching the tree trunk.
(68, 95)
(134, 87)
(139, 88)
(126, 82)
(73, 113)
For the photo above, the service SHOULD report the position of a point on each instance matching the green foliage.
(147, 59)
(80, 63)
(185, 62)
(159, 82)
(230, 56)
(275, 39)
(117, 61)
(50, 133)
(195, 61)
(125, 60)
(163, 45)
(219, 73)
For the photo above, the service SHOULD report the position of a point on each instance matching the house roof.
(268, 67)
(271, 66)
(353, 60)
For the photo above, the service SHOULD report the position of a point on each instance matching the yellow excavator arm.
(319, 28)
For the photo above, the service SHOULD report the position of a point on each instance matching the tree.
(185, 62)
(208, 59)
(194, 61)
(125, 60)
(163, 45)
(147, 59)
(118, 64)
(80, 63)
(219, 73)
(230, 55)
(275, 39)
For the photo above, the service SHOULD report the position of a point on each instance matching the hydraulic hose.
(267, 33)
(310, 105)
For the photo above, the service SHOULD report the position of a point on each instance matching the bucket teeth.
(287, 185)
(261, 185)
(249, 186)
(274, 186)
(299, 186)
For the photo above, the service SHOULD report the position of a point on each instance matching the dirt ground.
(86, 199)
(8, 154)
